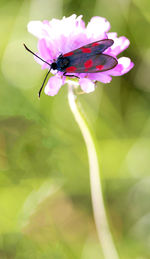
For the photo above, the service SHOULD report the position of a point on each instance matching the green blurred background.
(45, 204)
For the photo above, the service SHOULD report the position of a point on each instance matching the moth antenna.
(44, 62)
(35, 54)
(44, 82)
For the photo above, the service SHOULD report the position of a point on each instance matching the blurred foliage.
(44, 181)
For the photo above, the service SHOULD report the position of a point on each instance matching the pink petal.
(86, 85)
(101, 77)
(120, 44)
(38, 29)
(97, 28)
(80, 22)
(67, 26)
(43, 50)
(53, 85)
(112, 35)
(76, 41)
(46, 50)
(124, 65)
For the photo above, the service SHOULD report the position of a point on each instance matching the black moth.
(86, 59)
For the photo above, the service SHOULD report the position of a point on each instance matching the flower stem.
(100, 217)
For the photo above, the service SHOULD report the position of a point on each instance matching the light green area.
(45, 205)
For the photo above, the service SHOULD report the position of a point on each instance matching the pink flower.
(57, 37)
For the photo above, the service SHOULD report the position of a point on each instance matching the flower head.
(57, 37)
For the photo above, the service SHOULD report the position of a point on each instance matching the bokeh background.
(45, 204)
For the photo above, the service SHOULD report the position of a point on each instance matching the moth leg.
(64, 74)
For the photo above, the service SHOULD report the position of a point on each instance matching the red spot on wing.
(86, 50)
(68, 54)
(88, 63)
(99, 67)
(95, 44)
(71, 69)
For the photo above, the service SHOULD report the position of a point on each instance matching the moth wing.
(96, 47)
(94, 64)
(102, 63)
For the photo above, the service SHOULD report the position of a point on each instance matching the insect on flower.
(86, 59)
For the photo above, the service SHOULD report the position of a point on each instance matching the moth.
(86, 59)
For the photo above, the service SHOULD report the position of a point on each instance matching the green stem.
(100, 217)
